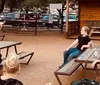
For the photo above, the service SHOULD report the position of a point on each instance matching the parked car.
(72, 17)
(46, 20)
(2, 17)
(7, 16)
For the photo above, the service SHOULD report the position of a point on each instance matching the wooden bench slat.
(25, 54)
(73, 67)
(96, 32)
(69, 67)
(95, 27)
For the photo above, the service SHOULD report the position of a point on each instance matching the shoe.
(25, 29)
(22, 29)
(1, 65)
(61, 66)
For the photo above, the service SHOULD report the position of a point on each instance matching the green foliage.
(30, 4)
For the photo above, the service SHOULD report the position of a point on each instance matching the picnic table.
(89, 56)
(8, 44)
(22, 55)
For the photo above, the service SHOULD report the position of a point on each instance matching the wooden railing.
(94, 26)
(93, 23)
(73, 28)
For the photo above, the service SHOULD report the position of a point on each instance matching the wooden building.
(88, 15)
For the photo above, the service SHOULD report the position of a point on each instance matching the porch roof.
(89, 1)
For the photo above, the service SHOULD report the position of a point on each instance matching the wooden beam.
(67, 14)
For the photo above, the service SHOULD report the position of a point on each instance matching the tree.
(28, 4)
(13, 4)
(2, 5)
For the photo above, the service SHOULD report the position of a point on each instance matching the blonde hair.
(11, 64)
(86, 28)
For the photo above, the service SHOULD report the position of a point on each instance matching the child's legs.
(73, 55)
(67, 53)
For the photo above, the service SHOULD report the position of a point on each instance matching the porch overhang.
(89, 1)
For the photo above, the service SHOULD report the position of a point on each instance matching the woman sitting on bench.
(82, 42)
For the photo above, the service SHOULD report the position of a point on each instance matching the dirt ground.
(48, 49)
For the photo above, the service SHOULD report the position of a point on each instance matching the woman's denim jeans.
(70, 54)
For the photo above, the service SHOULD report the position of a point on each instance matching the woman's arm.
(94, 63)
(73, 44)
(90, 44)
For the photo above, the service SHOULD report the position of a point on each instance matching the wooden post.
(67, 14)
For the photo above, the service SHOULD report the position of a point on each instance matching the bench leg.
(2, 37)
(82, 66)
(97, 73)
(15, 48)
(58, 78)
(30, 58)
(7, 52)
(97, 77)
(85, 69)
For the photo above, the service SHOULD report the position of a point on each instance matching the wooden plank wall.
(89, 11)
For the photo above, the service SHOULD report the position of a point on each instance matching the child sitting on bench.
(11, 68)
(82, 42)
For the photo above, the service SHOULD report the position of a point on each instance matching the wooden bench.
(67, 69)
(22, 55)
(2, 37)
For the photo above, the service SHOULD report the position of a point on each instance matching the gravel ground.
(48, 49)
